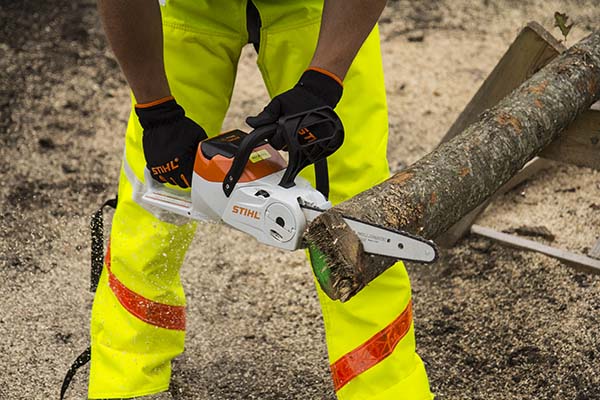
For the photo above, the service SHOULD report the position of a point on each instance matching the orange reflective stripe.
(374, 350)
(151, 312)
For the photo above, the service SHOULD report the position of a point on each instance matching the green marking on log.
(320, 268)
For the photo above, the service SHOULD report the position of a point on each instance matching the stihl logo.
(168, 167)
(246, 212)
(307, 135)
(230, 138)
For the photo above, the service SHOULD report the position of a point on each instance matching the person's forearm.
(344, 27)
(134, 31)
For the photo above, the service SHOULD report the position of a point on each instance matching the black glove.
(314, 90)
(170, 142)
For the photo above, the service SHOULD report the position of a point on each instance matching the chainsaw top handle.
(310, 137)
(252, 140)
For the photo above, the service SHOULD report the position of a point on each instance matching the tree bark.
(435, 192)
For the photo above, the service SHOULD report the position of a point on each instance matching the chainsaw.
(241, 180)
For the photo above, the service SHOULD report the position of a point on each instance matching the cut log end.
(337, 256)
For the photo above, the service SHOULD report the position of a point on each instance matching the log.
(439, 189)
(532, 49)
(579, 145)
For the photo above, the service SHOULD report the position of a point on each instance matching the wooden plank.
(533, 48)
(579, 144)
(578, 260)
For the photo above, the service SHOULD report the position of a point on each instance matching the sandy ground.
(492, 323)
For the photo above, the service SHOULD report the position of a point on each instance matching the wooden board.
(579, 144)
(533, 48)
(587, 263)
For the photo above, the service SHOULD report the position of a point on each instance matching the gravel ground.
(492, 322)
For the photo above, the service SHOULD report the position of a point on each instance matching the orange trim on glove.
(155, 102)
(329, 74)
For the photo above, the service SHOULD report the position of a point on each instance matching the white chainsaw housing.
(261, 208)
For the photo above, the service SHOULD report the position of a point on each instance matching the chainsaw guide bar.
(385, 241)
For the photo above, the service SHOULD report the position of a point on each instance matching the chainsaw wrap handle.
(303, 147)
(254, 139)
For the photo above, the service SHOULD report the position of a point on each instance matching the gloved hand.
(170, 141)
(316, 88)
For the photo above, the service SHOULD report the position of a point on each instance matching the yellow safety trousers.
(138, 318)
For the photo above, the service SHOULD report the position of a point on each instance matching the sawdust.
(491, 322)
